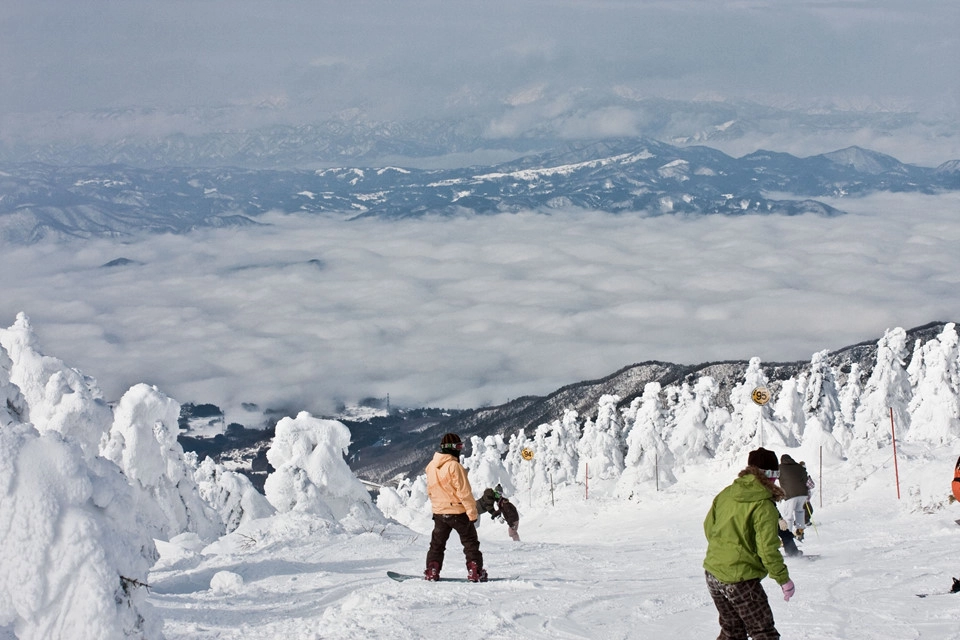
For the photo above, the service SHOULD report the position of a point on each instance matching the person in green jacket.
(743, 547)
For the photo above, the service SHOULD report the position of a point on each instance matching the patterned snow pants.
(744, 610)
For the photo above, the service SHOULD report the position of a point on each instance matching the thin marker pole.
(896, 470)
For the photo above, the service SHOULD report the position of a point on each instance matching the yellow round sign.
(761, 395)
(526, 453)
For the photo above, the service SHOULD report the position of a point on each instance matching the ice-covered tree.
(231, 495)
(485, 465)
(601, 447)
(849, 394)
(143, 442)
(752, 425)
(311, 474)
(649, 461)
(76, 549)
(788, 406)
(821, 407)
(520, 469)
(408, 504)
(59, 398)
(935, 377)
(887, 388)
(693, 437)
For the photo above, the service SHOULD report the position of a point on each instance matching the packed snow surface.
(587, 567)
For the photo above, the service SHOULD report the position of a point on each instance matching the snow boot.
(432, 572)
(475, 573)
(799, 534)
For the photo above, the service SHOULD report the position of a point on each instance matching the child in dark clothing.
(493, 502)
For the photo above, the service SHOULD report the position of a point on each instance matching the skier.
(743, 548)
(493, 502)
(454, 508)
(793, 481)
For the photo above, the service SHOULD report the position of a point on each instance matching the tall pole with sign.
(760, 396)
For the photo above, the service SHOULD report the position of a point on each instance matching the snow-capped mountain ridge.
(618, 175)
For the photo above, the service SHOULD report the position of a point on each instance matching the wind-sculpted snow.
(613, 176)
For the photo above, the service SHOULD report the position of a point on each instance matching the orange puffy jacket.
(956, 480)
(448, 486)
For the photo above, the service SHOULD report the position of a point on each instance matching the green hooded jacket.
(742, 538)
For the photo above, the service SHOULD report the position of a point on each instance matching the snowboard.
(954, 589)
(400, 577)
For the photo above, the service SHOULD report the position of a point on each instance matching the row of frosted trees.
(668, 429)
(86, 488)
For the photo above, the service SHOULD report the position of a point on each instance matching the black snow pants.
(443, 524)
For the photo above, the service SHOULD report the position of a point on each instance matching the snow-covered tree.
(59, 398)
(888, 388)
(751, 425)
(231, 495)
(821, 407)
(935, 376)
(849, 394)
(485, 465)
(693, 437)
(143, 442)
(788, 407)
(649, 461)
(408, 503)
(601, 446)
(311, 474)
(76, 550)
(520, 469)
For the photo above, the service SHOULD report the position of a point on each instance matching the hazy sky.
(294, 61)
(465, 312)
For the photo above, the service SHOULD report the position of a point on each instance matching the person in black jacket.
(493, 502)
(793, 481)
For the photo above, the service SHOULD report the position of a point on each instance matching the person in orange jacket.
(454, 508)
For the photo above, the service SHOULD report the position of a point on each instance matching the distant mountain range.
(619, 175)
(402, 442)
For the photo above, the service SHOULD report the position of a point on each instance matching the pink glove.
(788, 589)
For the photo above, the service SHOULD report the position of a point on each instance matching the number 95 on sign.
(761, 395)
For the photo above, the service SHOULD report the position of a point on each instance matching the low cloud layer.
(309, 312)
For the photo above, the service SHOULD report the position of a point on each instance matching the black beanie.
(449, 442)
(763, 459)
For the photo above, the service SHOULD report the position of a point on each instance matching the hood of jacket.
(749, 488)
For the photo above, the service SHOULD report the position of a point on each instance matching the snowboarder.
(454, 508)
(743, 548)
(787, 539)
(955, 485)
(493, 502)
(808, 505)
(793, 481)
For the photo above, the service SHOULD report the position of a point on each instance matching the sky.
(470, 312)
(166, 66)
(309, 313)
